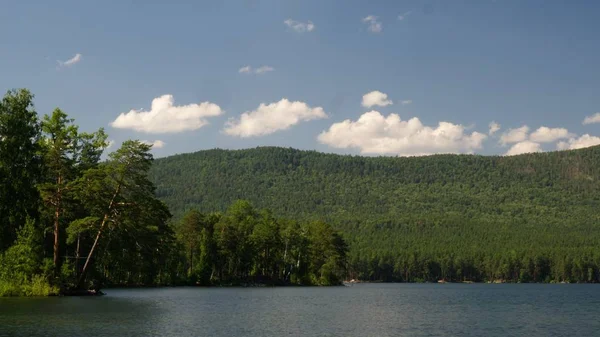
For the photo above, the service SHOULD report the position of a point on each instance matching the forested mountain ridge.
(312, 184)
(436, 207)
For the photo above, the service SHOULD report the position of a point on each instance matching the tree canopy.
(69, 220)
(530, 217)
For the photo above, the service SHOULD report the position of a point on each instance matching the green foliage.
(245, 245)
(327, 253)
(24, 258)
(527, 218)
(80, 226)
(22, 271)
(125, 221)
(101, 222)
(37, 286)
(60, 152)
(20, 163)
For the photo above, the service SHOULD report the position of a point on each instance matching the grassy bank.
(37, 286)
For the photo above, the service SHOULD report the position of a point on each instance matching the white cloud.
(300, 27)
(110, 144)
(258, 71)
(164, 117)
(524, 147)
(514, 135)
(375, 26)
(245, 70)
(404, 16)
(375, 98)
(494, 127)
(75, 59)
(406, 102)
(157, 144)
(373, 133)
(595, 118)
(267, 119)
(578, 143)
(264, 69)
(548, 135)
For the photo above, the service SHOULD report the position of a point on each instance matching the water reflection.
(361, 310)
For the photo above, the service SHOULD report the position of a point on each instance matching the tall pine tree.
(20, 163)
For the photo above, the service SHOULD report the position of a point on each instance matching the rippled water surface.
(360, 310)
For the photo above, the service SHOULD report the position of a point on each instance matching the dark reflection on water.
(360, 310)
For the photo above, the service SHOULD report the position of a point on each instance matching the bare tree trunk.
(285, 258)
(77, 255)
(56, 242)
(56, 226)
(191, 262)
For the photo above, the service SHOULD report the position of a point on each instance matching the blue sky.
(523, 64)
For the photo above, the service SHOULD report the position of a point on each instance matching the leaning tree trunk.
(100, 230)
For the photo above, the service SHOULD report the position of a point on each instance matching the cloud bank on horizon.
(376, 134)
(524, 142)
(371, 134)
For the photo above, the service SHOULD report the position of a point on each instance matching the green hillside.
(531, 217)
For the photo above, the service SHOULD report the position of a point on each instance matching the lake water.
(359, 310)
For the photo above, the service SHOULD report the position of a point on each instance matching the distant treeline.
(527, 218)
(245, 245)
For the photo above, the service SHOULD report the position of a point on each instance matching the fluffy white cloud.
(75, 59)
(164, 117)
(273, 117)
(514, 135)
(258, 71)
(300, 27)
(548, 135)
(406, 102)
(373, 133)
(375, 26)
(375, 98)
(524, 147)
(595, 118)
(494, 127)
(404, 16)
(157, 144)
(578, 143)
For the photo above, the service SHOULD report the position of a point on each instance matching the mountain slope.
(310, 184)
(436, 206)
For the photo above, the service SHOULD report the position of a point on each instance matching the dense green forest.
(527, 218)
(73, 219)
